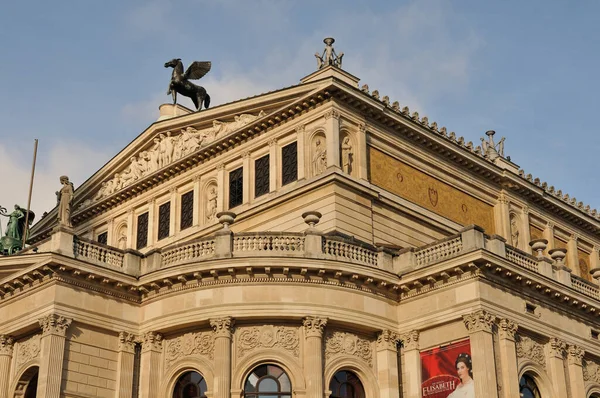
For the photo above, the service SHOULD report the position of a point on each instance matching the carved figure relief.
(267, 336)
(347, 155)
(319, 157)
(190, 344)
(167, 148)
(514, 231)
(211, 202)
(28, 349)
(342, 343)
(530, 349)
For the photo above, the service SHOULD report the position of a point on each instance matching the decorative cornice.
(314, 326)
(556, 348)
(6, 344)
(152, 341)
(507, 329)
(575, 355)
(410, 340)
(388, 340)
(223, 327)
(55, 324)
(127, 342)
(479, 321)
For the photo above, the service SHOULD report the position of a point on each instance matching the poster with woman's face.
(447, 372)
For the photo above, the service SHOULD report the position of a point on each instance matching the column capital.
(223, 327)
(6, 344)
(362, 127)
(550, 225)
(332, 113)
(127, 342)
(314, 326)
(55, 324)
(300, 129)
(525, 210)
(410, 340)
(502, 198)
(152, 341)
(479, 321)
(556, 348)
(221, 166)
(575, 355)
(273, 142)
(388, 340)
(507, 329)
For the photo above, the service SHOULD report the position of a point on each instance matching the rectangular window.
(236, 187)
(187, 210)
(142, 231)
(103, 238)
(261, 176)
(289, 163)
(164, 220)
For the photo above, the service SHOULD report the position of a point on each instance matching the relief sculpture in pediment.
(167, 148)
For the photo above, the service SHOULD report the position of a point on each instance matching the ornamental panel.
(342, 343)
(190, 344)
(27, 349)
(249, 339)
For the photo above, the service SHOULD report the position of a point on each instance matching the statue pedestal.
(168, 111)
(61, 240)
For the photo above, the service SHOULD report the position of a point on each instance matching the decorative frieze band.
(388, 340)
(6, 344)
(478, 321)
(268, 336)
(127, 342)
(223, 327)
(314, 326)
(55, 324)
(152, 341)
(507, 329)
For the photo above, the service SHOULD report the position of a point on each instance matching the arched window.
(528, 388)
(595, 395)
(268, 381)
(345, 384)
(190, 385)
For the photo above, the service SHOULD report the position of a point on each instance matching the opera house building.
(320, 240)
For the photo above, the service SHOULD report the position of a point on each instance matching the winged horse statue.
(180, 82)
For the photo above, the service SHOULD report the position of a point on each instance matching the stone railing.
(439, 251)
(584, 287)
(339, 248)
(203, 249)
(245, 243)
(523, 259)
(97, 253)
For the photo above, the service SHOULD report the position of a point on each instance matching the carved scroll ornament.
(342, 343)
(591, 371)
(190, 344)
(528, 348)
(28, 349)
(268, 336)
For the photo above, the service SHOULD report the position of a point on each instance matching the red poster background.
(439, 378)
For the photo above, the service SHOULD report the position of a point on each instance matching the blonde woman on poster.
(464, 369)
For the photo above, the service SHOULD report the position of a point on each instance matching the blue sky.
(86, 77)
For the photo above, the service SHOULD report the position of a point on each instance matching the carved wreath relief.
(268, 336)
(28, 349)
(190, 344)
(342, 343)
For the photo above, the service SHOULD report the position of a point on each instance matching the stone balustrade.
(340, 249)
(97, 253)
(271, 242)
(201, 249)
(449, 247)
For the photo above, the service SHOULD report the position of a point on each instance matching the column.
(573, 255)
(479, 324)
(272, 165)
(332, 121)
(125, 365)
(221, 181)
(575, 367)
(301, 152)
(501, 213)
(150, 364)
(555, 350)
(197, 204)
(549, 236)
(412, 364)
(223, 328)
(52, 352)
(130, 228)
(313, 354)
(175, 205)
(387, 364)
(110, 233)
(525, 231)
(6, 351)
(361, 154)
(508, 358)
(246, 176)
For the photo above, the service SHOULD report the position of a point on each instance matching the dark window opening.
(236, 187)
(142, 231)
(261, 176)
(187, 210)
(164, 220)
(103, 238)
(289, 164)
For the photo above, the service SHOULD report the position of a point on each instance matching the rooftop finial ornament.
(180, 82)
(329, 56)
(490, 149)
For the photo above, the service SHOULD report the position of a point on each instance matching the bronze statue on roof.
(180, 82)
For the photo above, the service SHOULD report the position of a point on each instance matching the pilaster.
(52, 352)
(125, 362)
(575, 368)
(508, 358)
(361, 153)
(573, 255)
(313, 332)
(501, 212)
(387, 364)
(332, 132)
(150, 364)
(301, 151)
(412, 363)
(197, 204)
(272, 165)
(221, 181)
(548, 234)
(6, 352)
(223, 328)
(151, 222)
(555, 351)
(525, 231)
(480, 324)
(110, 233)
(246, 176)
(130, 228)
(175, 205)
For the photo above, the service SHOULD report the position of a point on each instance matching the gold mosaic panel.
(584, 265)
(535, 232)
(428, 192)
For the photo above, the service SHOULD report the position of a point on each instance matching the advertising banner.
(447, 372)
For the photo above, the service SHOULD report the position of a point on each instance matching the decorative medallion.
(399, 177)
(464, 208)
(530, 349)
(268, 336)
(342, 343)
(591, 371)
(433, 196)
(190, 344)
(28, 349)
